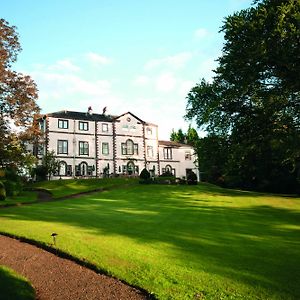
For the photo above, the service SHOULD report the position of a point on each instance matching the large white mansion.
(90, 144)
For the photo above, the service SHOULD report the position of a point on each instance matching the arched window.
(62, 168)
(168, 169)
(129, 148)
(83, 167)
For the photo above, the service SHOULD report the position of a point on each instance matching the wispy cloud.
(201, 33)
(65, 65)
(98, 59)
(175, 61)
(165, 82)
(141, 80)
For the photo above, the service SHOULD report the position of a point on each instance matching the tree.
(18, 94)
(178, 136)
(50, 164)
(253, 101)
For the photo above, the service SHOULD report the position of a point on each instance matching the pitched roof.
(74, 115)
(173, 144)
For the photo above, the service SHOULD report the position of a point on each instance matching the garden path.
(56, 278)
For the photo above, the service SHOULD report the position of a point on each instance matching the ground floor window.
(130, 169)
(83, 169)
(168, 170)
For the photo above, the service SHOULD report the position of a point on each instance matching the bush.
(41, 173)
(145, 175)
(192, 178)
(2, 191)
(13, 188)
(167, 174)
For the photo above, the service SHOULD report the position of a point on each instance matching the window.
(129, 148)
(62, 147)
(63, 124)
(188, 155)
(104, 127)
(167, 153)
(42, 126)
(62, 168)
(150, 151)
(83, 148)
(105, 149)
(149, 131)
(84, 126)
(40, 149)
(169, 170)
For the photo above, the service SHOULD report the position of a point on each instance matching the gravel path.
(55, 278)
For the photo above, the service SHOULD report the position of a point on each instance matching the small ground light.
(54, 238)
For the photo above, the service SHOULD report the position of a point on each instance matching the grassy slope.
(14, 286)
(24, 197)
(61, 188)
(179, 242)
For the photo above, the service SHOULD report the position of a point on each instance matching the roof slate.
(74, 115)
(172, 144)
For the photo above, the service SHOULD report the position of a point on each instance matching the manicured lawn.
(14, 286)
(178, 242)
(24, 197)
(61, 188)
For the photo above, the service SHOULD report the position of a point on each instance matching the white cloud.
(165, 82)
(98, 59)
(64, 65)
(141, 80)
(201, 33)
(175, 61)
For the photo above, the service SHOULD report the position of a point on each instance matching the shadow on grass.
(258, 245)
(13, 287)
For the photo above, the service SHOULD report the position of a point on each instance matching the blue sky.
(138, 56)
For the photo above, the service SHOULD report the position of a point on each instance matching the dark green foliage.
(167, 173)
(192, 178)
(2, 191)
(40, 172)
(253, 103)
(145, 175)
(178, 136)
(13, 188)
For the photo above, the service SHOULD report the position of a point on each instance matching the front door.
(130, 168)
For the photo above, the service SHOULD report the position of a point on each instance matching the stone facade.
(97, 145)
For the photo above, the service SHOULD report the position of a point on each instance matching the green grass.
(61, 188)
(14, 286)
(178, 242)
(24, 197)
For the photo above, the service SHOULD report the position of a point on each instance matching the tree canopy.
(254, 99)
(18, 95)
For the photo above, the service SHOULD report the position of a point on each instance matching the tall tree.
(178, 136)
(254, 98)
(18, 95)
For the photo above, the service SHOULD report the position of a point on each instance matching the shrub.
(167, 174)
(13, 188)
(41, 173)
(2, 191)
(145, 174)
(192, 178)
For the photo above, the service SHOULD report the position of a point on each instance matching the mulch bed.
(56, 278)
